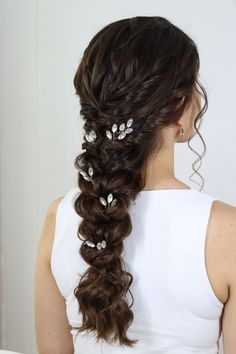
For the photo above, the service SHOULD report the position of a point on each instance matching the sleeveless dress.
(175, 308)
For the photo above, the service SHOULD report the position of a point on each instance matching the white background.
(41, 45)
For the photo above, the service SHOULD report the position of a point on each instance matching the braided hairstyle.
(137, 68)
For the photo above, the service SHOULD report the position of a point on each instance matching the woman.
(132, 259)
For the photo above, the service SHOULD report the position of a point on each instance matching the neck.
(160, 169)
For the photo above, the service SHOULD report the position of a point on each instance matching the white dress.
(175, 308)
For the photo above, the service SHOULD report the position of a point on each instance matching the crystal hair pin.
(109, 202)
(123, 130)
(89, 176)
(99, 245)
(91, 136)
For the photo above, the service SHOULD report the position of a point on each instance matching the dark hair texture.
(140, 68)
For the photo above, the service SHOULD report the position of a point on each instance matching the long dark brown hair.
(138, 68)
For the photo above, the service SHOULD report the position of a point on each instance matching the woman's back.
(175, 305)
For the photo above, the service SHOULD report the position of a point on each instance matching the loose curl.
(138, 68)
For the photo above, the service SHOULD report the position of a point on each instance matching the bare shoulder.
(51, 321)
(48, 229)
(223, 225)
(225, 216)
(225, 208)
(52, 208)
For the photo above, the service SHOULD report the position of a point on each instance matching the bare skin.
(53, 336)
(51, 323)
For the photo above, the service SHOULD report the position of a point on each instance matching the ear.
(180, 121)
(180, 102)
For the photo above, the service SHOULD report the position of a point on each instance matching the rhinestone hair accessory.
(91, 136)
(123, 130)
(99, 245)
(86, 176)
(110, 201)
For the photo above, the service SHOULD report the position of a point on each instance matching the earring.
(181, 131)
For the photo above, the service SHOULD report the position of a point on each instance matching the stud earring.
(181, 131)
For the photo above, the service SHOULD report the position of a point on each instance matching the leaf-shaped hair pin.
(91, 136)
(123, 130)
(109, 202)
(87, 177)
(99, 245)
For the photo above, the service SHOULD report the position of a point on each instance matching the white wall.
(41, 45)
(1, 92)
(20, 208)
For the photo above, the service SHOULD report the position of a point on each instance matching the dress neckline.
(167, 190)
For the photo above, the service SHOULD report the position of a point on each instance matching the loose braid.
(137, 68)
